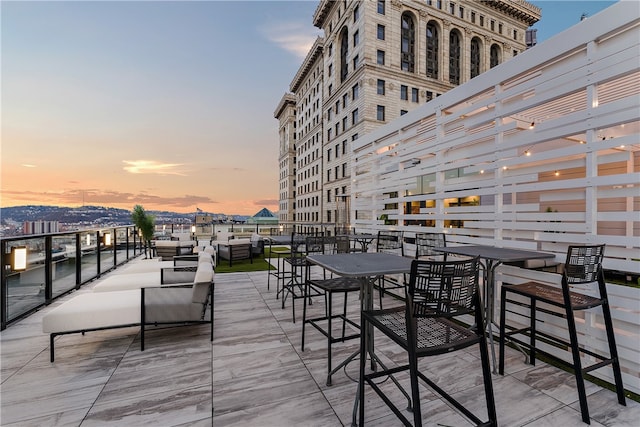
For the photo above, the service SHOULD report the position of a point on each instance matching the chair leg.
(304, 318)
(613, 352)
(329, 335)
(577, 364)
(488, 385)
(363, 362)
(532, 331)
(415, 390)
(503, 310)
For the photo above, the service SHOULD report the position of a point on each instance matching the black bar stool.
(583, 266)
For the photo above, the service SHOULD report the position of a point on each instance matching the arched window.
(475, 57)
(408, 42)
(432, 50)
(344, 53)
(454, 57)
(494, 56)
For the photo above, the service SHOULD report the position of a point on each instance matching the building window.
(380, 32)
(380, 57)
(330, 89)
(429, 95)
(475, 57)
(515, 34)
(494, 55)
(329, 113)
(328, 195)
(344, 52)
(356, 13)
(473, 17)
(328, 154)
(492, 25)
(345, 98)
(500, 27)
(454, 57)
(344, 147)
(461, 12)
(404, 93)
(380, 87)
(356, 59)
(481, 21)
(355, 92)
(403, 112)
(381, 7)
(414, 94)
(408, 42)
(354, 116)
(328, 134)
(330, 70)
(328, 175)
(432, 50)
(356, 38)
(380, 113)
(344, 170)
(452, 8)
(344, 123)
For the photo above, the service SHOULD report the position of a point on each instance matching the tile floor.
(255, 374)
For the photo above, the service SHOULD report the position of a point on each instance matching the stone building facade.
(381, 59)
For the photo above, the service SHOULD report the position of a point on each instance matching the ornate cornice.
(519, 9)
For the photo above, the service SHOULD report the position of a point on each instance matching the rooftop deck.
(254, 373)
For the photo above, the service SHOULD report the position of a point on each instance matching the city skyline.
(173, 114)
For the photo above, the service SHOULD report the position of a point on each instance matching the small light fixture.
(481, 171)
(504, 168)
(193, 229)
(18, 258)
(88, 239)
(527, 153)
(106, 239)
(532, 125)
(556, 173)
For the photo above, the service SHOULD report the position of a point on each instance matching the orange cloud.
(152, 167)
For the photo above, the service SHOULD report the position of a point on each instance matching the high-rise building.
(286, 114)
(377, 61)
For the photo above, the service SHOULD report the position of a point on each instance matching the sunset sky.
(164, 104)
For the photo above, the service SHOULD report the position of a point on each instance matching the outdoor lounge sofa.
(235, 250)
(179, 304)
(183, 272)
(167, 249)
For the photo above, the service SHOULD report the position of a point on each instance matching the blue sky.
(165, 104)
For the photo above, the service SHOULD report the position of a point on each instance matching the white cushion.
(144, 266)
(94, 310)
(123, 281)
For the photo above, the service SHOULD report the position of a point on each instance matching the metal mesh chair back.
(443, 288)
(343, 245)
(583, 264)
(314, 245)
(425, 242)
(390, 242)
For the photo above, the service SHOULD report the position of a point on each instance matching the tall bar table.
(490, 258)
(365, 266)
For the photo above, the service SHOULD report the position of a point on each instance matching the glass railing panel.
(63, 264)
(26, 288)
(121, 245)
(107, 250)
(88, 256)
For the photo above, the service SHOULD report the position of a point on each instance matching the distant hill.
(88, 214)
